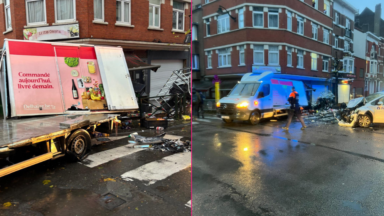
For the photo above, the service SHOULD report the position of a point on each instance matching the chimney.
(376, 22)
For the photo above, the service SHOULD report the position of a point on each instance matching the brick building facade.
(154, 30)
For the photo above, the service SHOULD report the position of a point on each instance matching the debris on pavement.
(7, 204)
(171, 144)
(45, 182)
(109, 179)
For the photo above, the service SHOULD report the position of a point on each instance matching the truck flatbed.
(19, 132)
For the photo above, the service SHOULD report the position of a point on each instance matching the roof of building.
(349, 6)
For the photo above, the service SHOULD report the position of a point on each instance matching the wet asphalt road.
(74, 189)
(239, 169)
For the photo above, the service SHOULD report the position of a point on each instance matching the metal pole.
(176, 108)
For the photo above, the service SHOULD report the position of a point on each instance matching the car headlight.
(218, 104)
(242, 105)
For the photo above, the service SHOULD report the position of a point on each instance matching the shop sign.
(52, 32)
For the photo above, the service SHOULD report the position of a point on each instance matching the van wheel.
(365, 120)
(254, 118)
(78, 145)
(227, 121)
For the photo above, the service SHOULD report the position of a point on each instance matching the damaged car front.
(363, 111)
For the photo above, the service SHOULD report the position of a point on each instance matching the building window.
(359, 92)
(35, 12)
(325, 64)
(373, 67)
(314, 31)
(224, 57)
(314, 3)
(123, 11)
(223, 23)
(300, 59)
(208, 27)
(154, 13)
(289, 56)
(313, 61)
(336, 42)
(241, 55)
(258, 54)
(300, 25)
(241, 18)
(195, 62)
(361, 74)
(258, 17)
(7, 8)
(206, 1)
(336, 18)
(326, 36)
(209, 60)
(273, 55)
(98, 10)
(178, 16)
(371, 87)
(289, 21)
(347, 24)
(65, 10)
(348, 65)
(346, 46)
(273, 18)
(327, 9)
(194, 33)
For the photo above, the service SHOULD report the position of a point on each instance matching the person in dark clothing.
(196, 100)
(201, 105)
(294, 109)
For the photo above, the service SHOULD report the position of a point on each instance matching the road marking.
(216, 118)
(188, 204)
(195, 122)
(203, 120)
(160, 169)
(96, 159)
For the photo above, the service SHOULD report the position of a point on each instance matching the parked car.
(372, 111)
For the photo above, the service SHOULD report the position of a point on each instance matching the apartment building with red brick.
(292, 36)
(153, 30)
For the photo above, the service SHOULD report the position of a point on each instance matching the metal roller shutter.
(159, 78)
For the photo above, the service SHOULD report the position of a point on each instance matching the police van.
(258, 96)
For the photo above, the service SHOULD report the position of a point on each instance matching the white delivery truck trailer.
(38, 80)
(259, 96)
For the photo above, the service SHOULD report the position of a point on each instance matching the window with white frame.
(326, 36)
(206, 1)
(346, 46)
(313, 61)
(241, 18)
(315, 4)
(325, 64)
(65, 10)
(327, 9)
(178, 16)
(336, 18)
(223, 23)
(225, 57)
(35, 12)
(241, 55)
(208, 27)
(194, 33)
(273, 18)
(273, 55)
(209, 59)
(300, 59)
(348, 65)
(123, 11)
(289, 56)
(373, 67)
(258, 54)
(98, 10)
(289, 21)
(314, 31)
(336, 42)
(195, 62)
(154, 13)
(7, 8)
(300, 25)
(347, 24)
(258, 17)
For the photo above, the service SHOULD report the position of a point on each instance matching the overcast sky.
(361, 5)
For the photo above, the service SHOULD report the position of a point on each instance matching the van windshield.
(244, 89)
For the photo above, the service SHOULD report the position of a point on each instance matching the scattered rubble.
(160, 143)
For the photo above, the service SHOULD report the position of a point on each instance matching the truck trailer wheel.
(227, 121)
(365, 120)
(79, 144)
(254, 118)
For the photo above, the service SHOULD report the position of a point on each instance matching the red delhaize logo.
(39, 107)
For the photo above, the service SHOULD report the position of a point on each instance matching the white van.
(259, 96)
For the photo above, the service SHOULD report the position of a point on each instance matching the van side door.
(265, 100)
